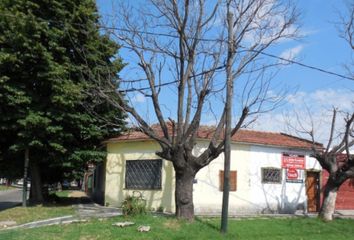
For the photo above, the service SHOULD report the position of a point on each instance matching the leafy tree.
(49, 51)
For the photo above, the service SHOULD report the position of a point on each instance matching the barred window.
(271, 175)
(143, 174)
(233, 180)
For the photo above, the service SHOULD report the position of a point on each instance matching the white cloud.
(323, 99)
(304, 109)
(291, 53)
(138, 98)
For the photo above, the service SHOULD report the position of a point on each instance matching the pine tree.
(51, 54)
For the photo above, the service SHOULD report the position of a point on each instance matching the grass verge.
(60, 205)
(169, 228)
(5, 188)
(34, 213)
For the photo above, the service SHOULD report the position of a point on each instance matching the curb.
(47, 222)
(63, 220)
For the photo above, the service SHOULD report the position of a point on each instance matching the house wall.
(252, 196)
(115, 192)
(286, 197)
(345, 194)
(206, 190)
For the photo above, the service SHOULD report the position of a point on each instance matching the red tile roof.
(242, 136)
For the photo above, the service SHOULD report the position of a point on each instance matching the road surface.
(10, 198)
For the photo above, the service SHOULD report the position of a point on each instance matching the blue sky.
(320, 46)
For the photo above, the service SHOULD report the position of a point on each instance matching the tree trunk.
(36, 194)
(329, 200)
(25, 178)
(184, 194)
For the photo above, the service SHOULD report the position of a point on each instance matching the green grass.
(170, 228)
(24, 215)
(5, 188)
(63, 194)
(61, 205)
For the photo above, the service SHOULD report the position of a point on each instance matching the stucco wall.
(252, 196)
(286, 197)
(118, 154)
(207, 194)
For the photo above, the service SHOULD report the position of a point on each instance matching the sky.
(310, 92)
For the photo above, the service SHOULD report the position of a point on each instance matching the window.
(143, 174)
(233, 180)
(271, 175)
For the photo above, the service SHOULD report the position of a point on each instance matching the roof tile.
(242, 136)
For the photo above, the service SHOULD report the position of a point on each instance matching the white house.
(270, 173)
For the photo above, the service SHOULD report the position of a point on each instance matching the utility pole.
(25, 176)
(228, 105)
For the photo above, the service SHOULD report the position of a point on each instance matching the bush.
(134, 205)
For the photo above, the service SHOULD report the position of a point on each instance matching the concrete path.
(10, 198)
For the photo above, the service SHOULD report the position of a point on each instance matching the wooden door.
(312, 191)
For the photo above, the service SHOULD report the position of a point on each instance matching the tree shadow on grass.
(207, 223)
(53, 200)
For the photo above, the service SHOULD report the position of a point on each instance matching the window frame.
(270, 181)
(129, 186)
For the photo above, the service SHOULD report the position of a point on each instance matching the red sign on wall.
(292, 174)
(294, 161)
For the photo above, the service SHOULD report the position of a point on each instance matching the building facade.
(270, 173)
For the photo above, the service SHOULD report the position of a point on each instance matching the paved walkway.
(10, 198)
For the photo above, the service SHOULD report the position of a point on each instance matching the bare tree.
(346, 26)
(181, 47)
(339, 170)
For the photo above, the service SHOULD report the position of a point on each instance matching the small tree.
(180, 46)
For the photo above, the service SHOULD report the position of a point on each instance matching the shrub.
(134, 205)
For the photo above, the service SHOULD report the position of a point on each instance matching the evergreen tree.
(51, 54)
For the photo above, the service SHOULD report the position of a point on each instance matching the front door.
(312, 191)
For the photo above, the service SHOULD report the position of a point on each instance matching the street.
(10, 198)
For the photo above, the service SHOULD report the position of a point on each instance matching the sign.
(294, 161)
(294, 175)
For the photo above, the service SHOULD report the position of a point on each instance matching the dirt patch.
(172, 224)
(77, 194)
(5, 224)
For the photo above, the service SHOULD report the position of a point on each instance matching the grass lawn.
(34, 213)
(169, 228)
(4, 188)
(40, 212)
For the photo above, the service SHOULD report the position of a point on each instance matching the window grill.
(143, 174)
(271, 175)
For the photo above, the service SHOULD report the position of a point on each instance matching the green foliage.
(51, 55)
(134, 205)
